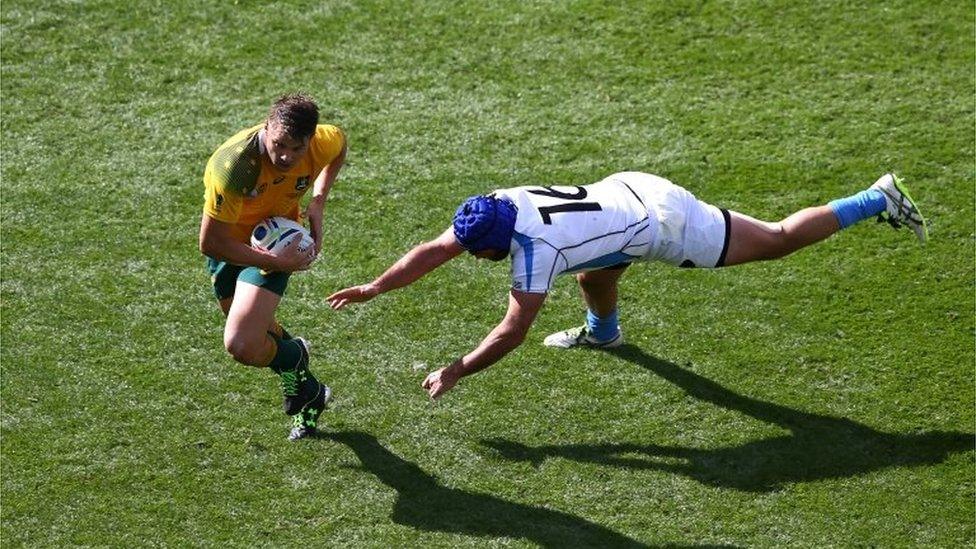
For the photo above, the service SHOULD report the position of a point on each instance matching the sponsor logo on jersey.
(302, 183)
(219, 203)
(278, 180)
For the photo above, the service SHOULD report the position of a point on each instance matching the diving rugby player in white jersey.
(597, 231)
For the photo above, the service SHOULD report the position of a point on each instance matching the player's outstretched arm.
(416, 263)
(509, 334)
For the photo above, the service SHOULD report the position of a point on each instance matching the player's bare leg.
(246, 330)
(275, 327)
(754, 240)
(248, 339)
(599, 289)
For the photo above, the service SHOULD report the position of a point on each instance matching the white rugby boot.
(580, 337)
(900, 207)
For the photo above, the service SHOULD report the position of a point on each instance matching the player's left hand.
(439, 382)
(314, 216)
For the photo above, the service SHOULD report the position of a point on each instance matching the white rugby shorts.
(690, 233)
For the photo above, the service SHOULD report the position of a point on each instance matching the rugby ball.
(275, 233)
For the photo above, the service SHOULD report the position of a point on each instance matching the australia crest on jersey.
(253, 192)
(302, 182)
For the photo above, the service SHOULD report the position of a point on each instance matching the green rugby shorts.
(225, 277)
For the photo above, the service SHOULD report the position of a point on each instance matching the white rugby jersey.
(567, 229)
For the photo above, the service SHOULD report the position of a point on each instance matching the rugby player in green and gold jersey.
(260, 172)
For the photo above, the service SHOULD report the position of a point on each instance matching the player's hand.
(293, 258)
(355, 294)
(314, 216)
(439, 382)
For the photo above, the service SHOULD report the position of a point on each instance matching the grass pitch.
(823, 400)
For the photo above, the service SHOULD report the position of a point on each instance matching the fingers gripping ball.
(275, 233)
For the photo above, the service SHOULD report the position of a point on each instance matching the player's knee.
(778, 242)
(592, 283)
(241, 349)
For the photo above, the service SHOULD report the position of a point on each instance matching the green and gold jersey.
(242, 187)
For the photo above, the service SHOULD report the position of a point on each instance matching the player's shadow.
(423, 503)
(817, 446)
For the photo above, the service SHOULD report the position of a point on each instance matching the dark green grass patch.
(823, 400)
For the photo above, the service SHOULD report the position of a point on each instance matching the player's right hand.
(354, 294)
(439, 382)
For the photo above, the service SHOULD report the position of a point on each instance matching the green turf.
(823, 400)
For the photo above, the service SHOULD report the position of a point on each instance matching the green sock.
(287, 357)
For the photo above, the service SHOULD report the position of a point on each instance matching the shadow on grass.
(423, 503)
(818, 447)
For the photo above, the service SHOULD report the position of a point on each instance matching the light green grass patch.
(823, 400)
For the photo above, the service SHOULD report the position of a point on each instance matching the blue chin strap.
(485, 223)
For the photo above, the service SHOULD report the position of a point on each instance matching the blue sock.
(861, 206)
(602, 329)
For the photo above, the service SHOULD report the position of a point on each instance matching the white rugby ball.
(275, 233)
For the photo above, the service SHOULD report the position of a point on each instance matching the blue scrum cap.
(485, 222)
